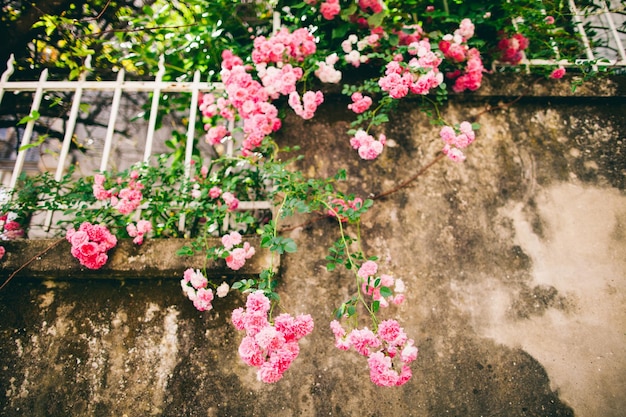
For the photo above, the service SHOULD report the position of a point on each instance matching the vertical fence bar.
(71, 121)
(191, 128)
(613, 29)
(115, 105)
(154, 110)
(70, 126)
(3, 79)
(191, 136)
(28, 131)
(230, 148)
(230, 144)
(6, 74)
(581, 31)
(275, 22)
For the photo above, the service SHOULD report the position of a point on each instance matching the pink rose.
(558, 73)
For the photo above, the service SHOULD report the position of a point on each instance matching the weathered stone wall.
(514, 263)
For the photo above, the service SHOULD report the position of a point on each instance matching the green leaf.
(56, 101)
(351, 310)
(290, 246)
(74, 73)
(185, 251)
(339, 32)
(266, 274)
(376, 19)
(148, 10)
(41, 140)
(266, 241)
(341, 175)
(50, 27)
(349, 11)
(385, 291)
(273, 296)
(393, 39)
(34, 115)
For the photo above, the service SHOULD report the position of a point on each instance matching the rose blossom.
(466, 29)
(329, 9)
(142, 228)
(215, 192)
(362, 340)
(194, 285)
(558, 73)
(12, 230)
(368, 269)
(306, 106)
(203, 299)
(215, 134)
(231, 239)
(360, 103)
(222, 290)
(326, 71)
(389, 350)
(269, 348)
(456, 139)
(231, 201)
(237, 258)
(90, 244)
(368, 147)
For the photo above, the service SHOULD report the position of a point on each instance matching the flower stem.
(353, 265)
(25, 264)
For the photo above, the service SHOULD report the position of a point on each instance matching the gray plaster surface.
(514, 262)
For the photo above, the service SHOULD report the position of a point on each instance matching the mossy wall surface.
(513, 260)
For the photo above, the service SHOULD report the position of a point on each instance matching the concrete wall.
(514, 263)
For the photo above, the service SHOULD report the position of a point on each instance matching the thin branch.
(410, 180)
(103, 10)
(43, 252)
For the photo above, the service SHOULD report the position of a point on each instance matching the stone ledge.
(511, 84)
(154, 259)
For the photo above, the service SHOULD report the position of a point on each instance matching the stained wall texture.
(514, 263)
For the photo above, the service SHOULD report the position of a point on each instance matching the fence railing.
(156, 88)
(603, 47)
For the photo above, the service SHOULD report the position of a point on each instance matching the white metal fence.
(607, 21)
(157, 88)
